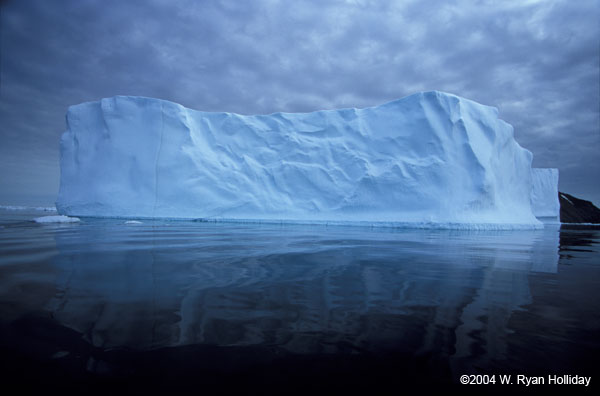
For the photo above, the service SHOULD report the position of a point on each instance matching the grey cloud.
(537, 61)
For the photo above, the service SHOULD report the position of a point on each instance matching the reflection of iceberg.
(303, 289)
(503, 291)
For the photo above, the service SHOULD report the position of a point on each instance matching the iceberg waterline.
(428, 159)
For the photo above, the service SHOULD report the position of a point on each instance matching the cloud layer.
(537, 61)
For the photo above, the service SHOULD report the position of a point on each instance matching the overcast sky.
(537, 61)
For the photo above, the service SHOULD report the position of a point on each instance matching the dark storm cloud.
(537, 61)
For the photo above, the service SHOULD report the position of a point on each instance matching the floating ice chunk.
(56, 219)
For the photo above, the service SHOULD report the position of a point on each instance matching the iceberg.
(544, 194)
(431, 158)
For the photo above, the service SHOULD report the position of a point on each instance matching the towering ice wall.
(429, 158)
(544, 193)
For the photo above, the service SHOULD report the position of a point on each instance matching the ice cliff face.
(544, 193)
(429, 158)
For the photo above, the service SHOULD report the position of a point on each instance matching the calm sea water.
(173, 304)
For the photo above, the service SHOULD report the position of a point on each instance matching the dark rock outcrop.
(575, 210)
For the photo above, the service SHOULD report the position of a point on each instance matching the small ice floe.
(133, 222)
(56, 219)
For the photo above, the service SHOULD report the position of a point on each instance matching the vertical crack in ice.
(162, 127)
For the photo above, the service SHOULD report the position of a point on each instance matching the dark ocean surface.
(164, 306)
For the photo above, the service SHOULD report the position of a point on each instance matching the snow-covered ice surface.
(544, 193)
(566, 198)
(431, 159)
(56, 219)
